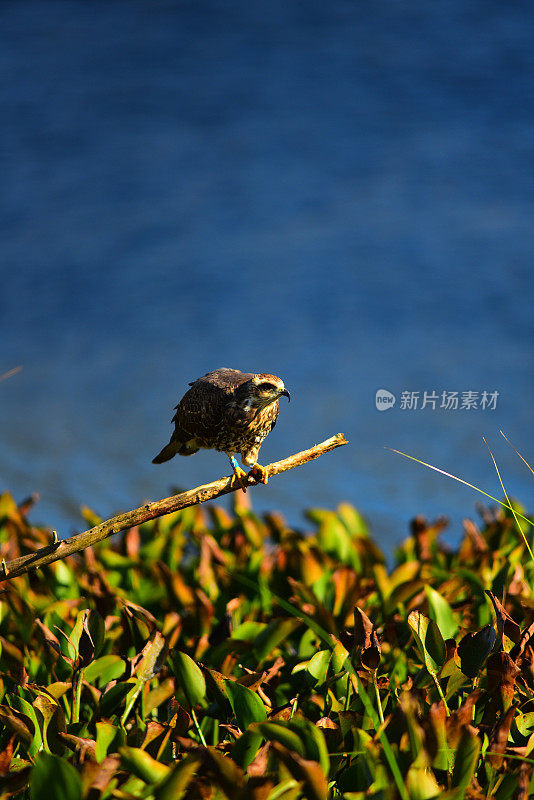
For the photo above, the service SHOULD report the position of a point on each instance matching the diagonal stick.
(209, 491)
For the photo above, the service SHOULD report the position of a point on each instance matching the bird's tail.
(167, 453)
(181, 443)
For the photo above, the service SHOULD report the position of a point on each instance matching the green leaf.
(421, 783)
(19, 723)
(466, 761)
(97, 629)
(54, 776)
(318, 667)
(248, 631)
(76, 634)
(20, 704)
(245, 749)
(190, 677)
(51, 720)
(226, 773)
(354, 522)
(278, 731)
(269, 638)
(315, 748)
(335, 540)
(153, 657)
(440, 611)
(148, 667)
(131, 697)
(475, 648)
(174, 786)
(246, 705)
(525, 723)
(429, 641)
(104, 670)
(310, 773)
(113, 697)
(108, 735)
(66, 583)
(141, 764)
(339, 656)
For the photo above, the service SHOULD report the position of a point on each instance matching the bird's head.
(264, 389)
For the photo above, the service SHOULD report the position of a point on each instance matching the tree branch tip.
(59, 549)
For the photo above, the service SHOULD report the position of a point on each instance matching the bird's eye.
(267, 387)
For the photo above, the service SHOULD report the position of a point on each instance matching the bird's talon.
(259, 473)
(241, 477)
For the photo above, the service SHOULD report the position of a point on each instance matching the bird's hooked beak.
(285, 393)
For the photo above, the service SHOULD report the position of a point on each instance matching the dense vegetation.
(217, 655)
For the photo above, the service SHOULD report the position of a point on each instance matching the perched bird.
(229, 411)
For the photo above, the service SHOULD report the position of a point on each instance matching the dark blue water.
(341, 194)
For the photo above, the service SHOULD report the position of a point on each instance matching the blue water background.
(339, 193)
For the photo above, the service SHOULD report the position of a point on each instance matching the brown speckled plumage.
(226, 410)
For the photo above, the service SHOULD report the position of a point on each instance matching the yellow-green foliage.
(217, 655)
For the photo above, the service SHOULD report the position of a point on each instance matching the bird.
(229, 411)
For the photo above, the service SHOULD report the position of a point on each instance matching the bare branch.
(209, 491)
(10, 373)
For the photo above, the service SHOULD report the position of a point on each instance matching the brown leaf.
(11, 651)
(502, 674)
(68, 659)
(206, 575)
(134, 611)
(451, 646)
(476, 539)
(28, 502)
(6, 755)
(179, 718)
(252, 680)
(523, 785)
(257, 788)
(58, 688)
(365, 637)
(274, 670)
(310, 772)
(461, 718)
(518, 585)
(435, 728)
(227, 773)
(159, 694)
(420, 527)
(425, 534)
(13, 782)
(499, 738)
(153, 657)
(97, 777)
(326, 722)
(86, 647)
(84, 748)
(176, 587)
(283, 713)
(258, 766)
(19, 723)
(505, 624)
(132, 542)
(346, 588)
(518, 650)
(156, 737)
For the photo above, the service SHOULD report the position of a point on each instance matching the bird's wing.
(273, 416)
(226, 378)
(202, 409)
